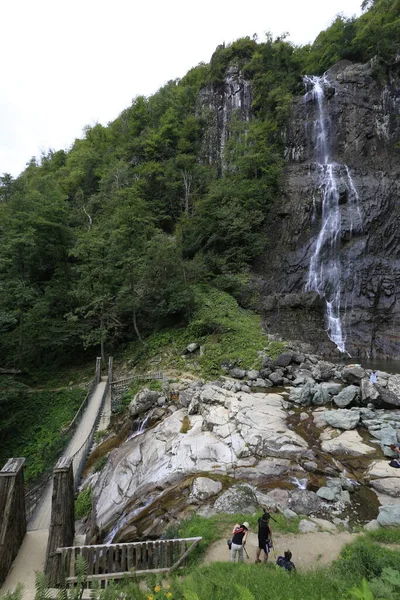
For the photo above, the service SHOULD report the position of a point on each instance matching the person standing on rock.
(264, 537)
(373, 378)
(239, 537)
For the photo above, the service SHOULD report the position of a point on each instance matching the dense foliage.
(103, 244)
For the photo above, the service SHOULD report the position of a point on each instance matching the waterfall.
(324, 275)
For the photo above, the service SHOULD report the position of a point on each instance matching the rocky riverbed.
(299, 435)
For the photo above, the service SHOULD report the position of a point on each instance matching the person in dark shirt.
(239, 537)
(286, 561)
(264, 537)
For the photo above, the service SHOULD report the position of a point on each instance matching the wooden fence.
(12, 512)
(115, 561)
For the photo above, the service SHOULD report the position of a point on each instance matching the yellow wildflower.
(168, 587)
(150, 597)
(157, 588)
(168, 594)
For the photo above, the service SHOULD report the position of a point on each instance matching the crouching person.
(286, 561)
(239, 537)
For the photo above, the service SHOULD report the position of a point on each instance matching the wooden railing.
(119, 386)
(12, 512)
(115, 561)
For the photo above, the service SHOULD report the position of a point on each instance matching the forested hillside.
(104, 243)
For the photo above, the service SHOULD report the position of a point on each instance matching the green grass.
(227, 332)
(37, 435)
(387, 535)
(364, 558)
(221, 581)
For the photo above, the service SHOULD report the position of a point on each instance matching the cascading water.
(324, 275)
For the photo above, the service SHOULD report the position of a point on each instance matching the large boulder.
(389, 486)
(306, 526)
(348, 395)
(327, 493)
(240, 498)
(353, 374)
(380, 469)
(143, 400)
(204, 487)
(393, 385)
(348, 442)
(342, 418)
(369, 392)
(237, 373)
(304, 502)
(389, 515)
(332, 387)
(323, 371)
(284, 359)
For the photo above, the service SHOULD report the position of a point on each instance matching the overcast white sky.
(68, 64)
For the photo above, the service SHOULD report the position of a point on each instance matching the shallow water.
(377, 364)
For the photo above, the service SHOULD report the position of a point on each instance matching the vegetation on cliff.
(103, 244)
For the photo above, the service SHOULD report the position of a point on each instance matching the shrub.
(185, 424)
(83, 503)
(100, 464)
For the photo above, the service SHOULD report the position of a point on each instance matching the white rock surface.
(230, 433)
(372, 525)
(342, 418)
(348, 442)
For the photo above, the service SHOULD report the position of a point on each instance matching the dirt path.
(32, 553)
(309, 549)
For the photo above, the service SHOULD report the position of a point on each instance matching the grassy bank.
(37, 431)
(228, 334)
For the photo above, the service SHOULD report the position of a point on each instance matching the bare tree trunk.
(21, 340)
(187, 186)
(102, 353)
(136, 327)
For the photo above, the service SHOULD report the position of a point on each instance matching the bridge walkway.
(32, 554)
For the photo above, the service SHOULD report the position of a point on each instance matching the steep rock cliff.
(364, 122)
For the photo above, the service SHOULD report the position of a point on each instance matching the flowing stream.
(335, 184)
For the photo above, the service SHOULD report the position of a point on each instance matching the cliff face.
(363, 117)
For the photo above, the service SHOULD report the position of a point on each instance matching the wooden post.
(110, 369)
(12, 511)
(62, 524)
(98, 370)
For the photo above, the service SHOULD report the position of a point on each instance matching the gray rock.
(237, 373)
(332, 387)
(389, 515)
(276, 378)
(204, 487)
(342, 418)
(245, 388)
(260, 383)
(320, 396)
(372, 525)
(323, 370)
(388, 485)
(185, 397)
(306, 526)
(327, 493)
(267, 363)
(298, 381)
(253, 374)
(284, 359)
(298, 358)
(310, 466)
(353, 374)
(240, 498)
(192, 347)
(369, 392)
(265, 373)
(347, 443)
(143, 400)
(289, 514)
(348, 395)
(304, 502)
(324, 525)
